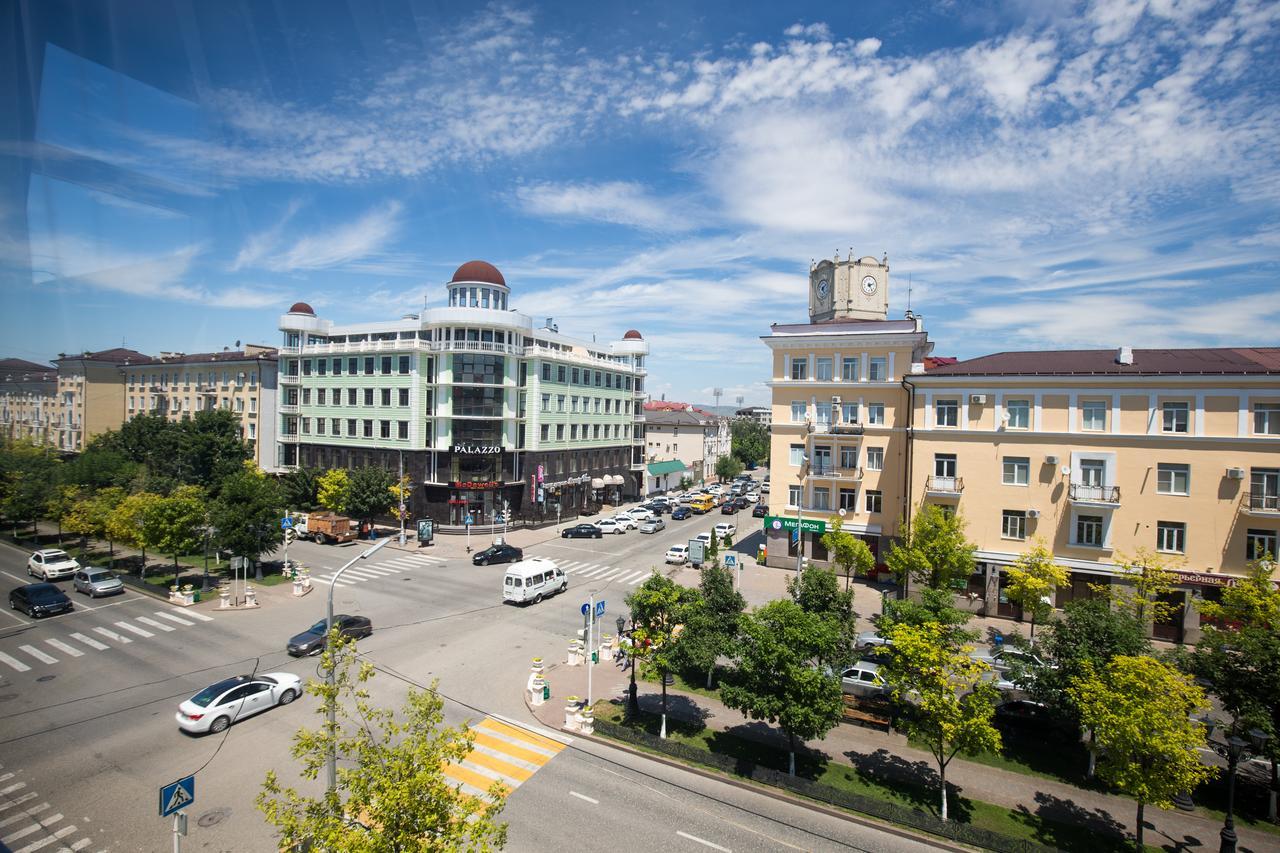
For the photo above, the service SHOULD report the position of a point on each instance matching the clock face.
(822, 288)
(869, 285)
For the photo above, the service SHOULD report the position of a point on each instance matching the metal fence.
(891, 812)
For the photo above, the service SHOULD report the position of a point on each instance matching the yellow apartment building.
(28, 401)
(176, 385)
(90, 395)
(1101, 454)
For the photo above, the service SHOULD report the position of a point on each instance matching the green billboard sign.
(782, 522)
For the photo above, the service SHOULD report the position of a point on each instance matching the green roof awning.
(657, 469)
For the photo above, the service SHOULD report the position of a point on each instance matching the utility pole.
(400, 492)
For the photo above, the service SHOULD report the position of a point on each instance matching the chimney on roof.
(1124, 355)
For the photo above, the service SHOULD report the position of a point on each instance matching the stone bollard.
(586, 721)
(575, 653)
(297, 587)
(306, 578)
(536, 690)
(571, 713)
(250, 596)
(537, 666)
(606, 646)
(224, 596)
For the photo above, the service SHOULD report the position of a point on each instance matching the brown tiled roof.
(206, 357)
(934, 361)
(118, 355)
(1146, 362)
(22, 365)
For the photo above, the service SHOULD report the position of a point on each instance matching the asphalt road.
(87, 733)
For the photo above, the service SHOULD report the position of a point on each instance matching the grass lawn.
(1075, 832)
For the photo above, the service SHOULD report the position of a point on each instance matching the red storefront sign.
(486, 484)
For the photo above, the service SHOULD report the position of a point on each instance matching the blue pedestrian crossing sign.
(470, 519)
(731, 561)
(176, 796)
(286, 523)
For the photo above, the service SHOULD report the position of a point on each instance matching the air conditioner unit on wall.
(1235, 473)
(1033, 513)
(1051, 460)
(979, 399)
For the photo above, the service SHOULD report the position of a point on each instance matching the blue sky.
(1046, 174)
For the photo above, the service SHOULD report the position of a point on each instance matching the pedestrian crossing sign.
(177, 795)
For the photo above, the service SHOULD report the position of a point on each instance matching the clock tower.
(849, 289)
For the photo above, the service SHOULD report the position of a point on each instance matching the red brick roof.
(118, 355)
(1146, 362)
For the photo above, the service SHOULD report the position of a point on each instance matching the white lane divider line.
(13, 662)
(112, 635)
(33, 828)
(57, 836)
(63, 647)
(173, 618)
(16, 786)
(199, 617)
(89, 641)
(160, 626)
(593, 571)
(17, 801)
(38, 655)
(23, 815)
(702, 841)
(81, 844)
(141, 632)
(593, 802)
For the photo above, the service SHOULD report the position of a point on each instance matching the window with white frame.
(849, 413)
(1172, 479)
(849, 370)
(849, 499)
(1093, 415)
(849, 457)
(823, 413)
(822, 369)
(800, 368)
(1261, 544)
(1177, 417)
(875, 414)
(793, 496)
(1171, 536)
(1013, 524)
(1266, 418)
(944, 466)
(797, 411)
(878, 369)
(875, 500)
(822, 498)
(946, 413)
(1017, 470)
(875, 458)
(1019, 414)
(1089, 531)
(797, 455)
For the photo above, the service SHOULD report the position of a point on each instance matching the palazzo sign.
(476, 449)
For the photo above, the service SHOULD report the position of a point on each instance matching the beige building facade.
(696, 438)
(28, 401)
(91, 395)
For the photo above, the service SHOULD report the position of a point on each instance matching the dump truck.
(329, 528)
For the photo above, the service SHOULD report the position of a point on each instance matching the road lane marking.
(172, 618)
(34, 810)
(154, 624)
(63, 647)
(593, 571)
(81, 844)
(135, 629)
(199, 617)
(35, 827)
(89, 641)
(17, 801)
(609, 575)
(38, 655)
(16, 786)
(591, 800)
(112, 635)
(13, 662)
(44, 842)
(702, 841)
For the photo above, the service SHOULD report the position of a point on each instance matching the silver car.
(653, 525)
(94, 582)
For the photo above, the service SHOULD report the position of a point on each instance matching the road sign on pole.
(730, 561)
(177, 795)
(586, 608)
(286, 523)
(599, 609)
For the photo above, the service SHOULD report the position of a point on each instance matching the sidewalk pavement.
(883, 755)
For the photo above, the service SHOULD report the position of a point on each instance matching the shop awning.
(657, 469)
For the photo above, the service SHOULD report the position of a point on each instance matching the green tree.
(132, 523)
(659, 607)
(849, 554)
(80, 518)
(1239, 655)
(210, 447)
(392, 792)
(246, 515)
(749, 441)
(300, 488)
(779, 676)
(935, 551)
(953, 702)
(1032, 579)
(369, 493)
(333, 490)
(179, 521)
(1141, 711)
(1146, 593)
(728, 467)
(28, 477)
(95, 515)
(402, 490)
(151, 442)
(59, 503)
(817, 591)
(935, 607)
(711, 625)
(99, 467)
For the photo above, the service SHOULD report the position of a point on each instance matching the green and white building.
(484, 409)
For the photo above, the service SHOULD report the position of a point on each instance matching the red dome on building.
(632, 335)
(479, 271)
(302, 308)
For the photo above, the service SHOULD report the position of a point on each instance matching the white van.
(532, 580)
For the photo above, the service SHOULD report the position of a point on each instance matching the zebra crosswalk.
(76, 644)
(363, 573)
(502, 753)
(599, 572)
(27, 825)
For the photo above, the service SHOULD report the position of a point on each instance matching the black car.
(39, 599)
(741, 502)
(656, 508)
(759, 511)
(680, 513)
(311, 641)
(729, 508)
(1025, 717)
(498, 554)
(581, 531)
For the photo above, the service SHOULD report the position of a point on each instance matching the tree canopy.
(712, 621)
(817, 592)
(749, 440)
(246, 514)
(1032, 579)
(935, 551)
(659, 608)
(333, 490)
(728, 467)
(849, 555)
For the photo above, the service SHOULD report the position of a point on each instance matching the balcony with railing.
(1261, 503)
(831, 471)
(285, 379)
(288, 408)
(1085, 494)
(944, 487)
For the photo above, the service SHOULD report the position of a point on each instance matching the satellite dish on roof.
(1066, 470)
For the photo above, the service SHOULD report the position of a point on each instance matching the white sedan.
(625, 521)
(232, 699)
(50, 564)
(610, 525)
(678, 554)
(725, 529)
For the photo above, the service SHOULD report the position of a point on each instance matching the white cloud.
(342, 244)
(1010, 70)
(621, 202)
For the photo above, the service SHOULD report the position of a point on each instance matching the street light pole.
(1233, 750)
(331, 676)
